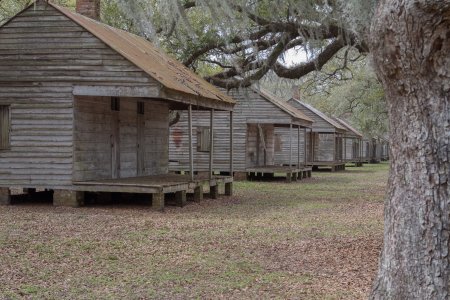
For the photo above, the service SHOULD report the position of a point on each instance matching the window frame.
(8, 146)
(203, 132)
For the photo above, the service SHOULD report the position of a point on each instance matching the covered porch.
(156, 185)
(274, 155)
(292, 173)
(120, 146)
(326, 150)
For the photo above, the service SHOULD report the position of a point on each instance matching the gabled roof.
(349, 127)
(172, 75)
(283, 105)
(320, 114)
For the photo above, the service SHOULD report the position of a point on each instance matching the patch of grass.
(30, 289)
(315, 239)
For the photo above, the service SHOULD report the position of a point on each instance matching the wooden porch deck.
(334, 165)
(167, 183)
(159, 185)
(292, 173)
(356, 162)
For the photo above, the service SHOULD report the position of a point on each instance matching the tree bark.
(410, 42)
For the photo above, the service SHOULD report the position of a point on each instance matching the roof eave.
(195, 100)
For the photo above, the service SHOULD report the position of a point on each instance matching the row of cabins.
(85, 107)
(375, 150)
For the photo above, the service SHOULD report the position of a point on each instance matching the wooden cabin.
(84, 107)
(352, 145)
(375, 150)
(366, 151)
(258, 150)
(325, 139)
(384, 149)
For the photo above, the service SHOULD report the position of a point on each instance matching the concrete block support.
(229, 189)
(214, 191)
(180, 198)
(198, 194)
(158, 201)
(68, 198)
(289, 177)
(5, 196)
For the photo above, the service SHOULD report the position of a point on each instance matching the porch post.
(290, 145)
(191, 151)
(360, 150)
(211, 144)
(344, 140)
(304, 146)
(335, 148)
(298, 146)
(231, 143)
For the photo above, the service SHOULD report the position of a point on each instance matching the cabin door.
(115, 144)
(265, 145)
(140, 139)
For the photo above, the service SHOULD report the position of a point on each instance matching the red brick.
(89, 8)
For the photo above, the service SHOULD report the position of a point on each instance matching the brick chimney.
(296, 93)
(89, 8)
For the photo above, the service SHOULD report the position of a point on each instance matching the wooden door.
(140, 146)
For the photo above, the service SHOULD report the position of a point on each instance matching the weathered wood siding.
(319, 125)
(351, 148)
(385, 150)
(365, 150)
(260, 145)
(156, 138)
(250, 107)
(325, 147)
(282, 146)
(43, 54)
(93, 133)
(92, 138)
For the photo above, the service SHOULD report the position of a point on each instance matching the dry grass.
(318, 239)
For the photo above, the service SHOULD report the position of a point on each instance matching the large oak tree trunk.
(410, 42)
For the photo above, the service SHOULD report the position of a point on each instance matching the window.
(203, 144)
(115, 103)
(140, 108)
(5, 127)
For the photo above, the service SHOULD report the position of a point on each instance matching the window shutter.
(5, 127)
(203, 143)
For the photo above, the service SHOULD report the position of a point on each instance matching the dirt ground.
(316, 239)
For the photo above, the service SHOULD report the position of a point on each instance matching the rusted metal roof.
(349, 127)
(320, 114)
(283, 105)
(172, 74)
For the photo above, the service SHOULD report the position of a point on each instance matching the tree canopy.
(353, 93)
(239, 41)
(320, 44)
